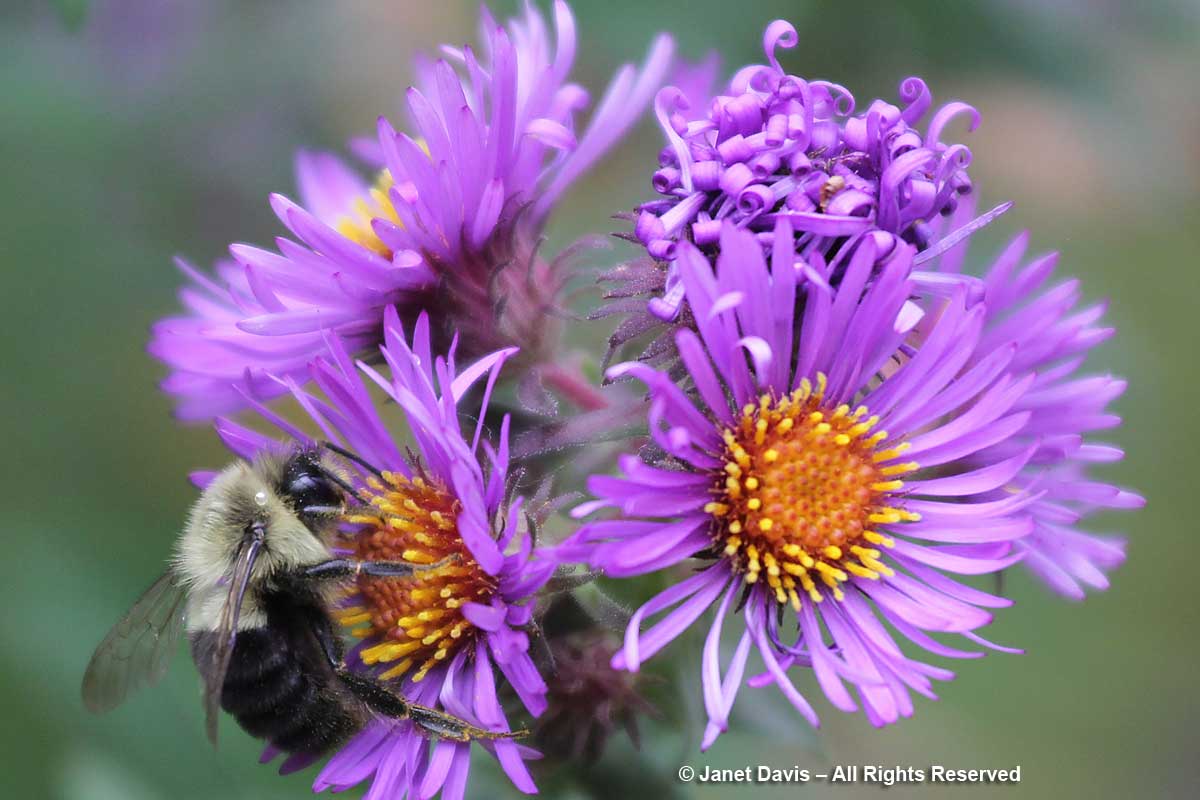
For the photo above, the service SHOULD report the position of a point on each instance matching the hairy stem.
(569, 382)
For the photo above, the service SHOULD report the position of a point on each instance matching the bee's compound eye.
(311, 488)
(260, 498)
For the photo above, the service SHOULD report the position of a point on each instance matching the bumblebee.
(252, 581)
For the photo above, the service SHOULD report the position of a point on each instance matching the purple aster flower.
(1050, 336)
(451, 223)
(817, 467)
(441, 635)
(776, 146)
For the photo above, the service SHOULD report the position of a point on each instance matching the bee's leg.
(367, 689)
(337, 568)
(444, 726)
(383, 701)
(371, 692)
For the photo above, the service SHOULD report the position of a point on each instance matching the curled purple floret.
(774, 143)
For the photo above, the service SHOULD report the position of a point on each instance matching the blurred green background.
(134, 131)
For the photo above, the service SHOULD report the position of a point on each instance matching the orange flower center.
(418, 620)
(802, 490)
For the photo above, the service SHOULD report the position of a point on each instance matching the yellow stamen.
(415, 621)
(802, 491)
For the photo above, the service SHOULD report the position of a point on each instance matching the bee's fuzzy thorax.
(241, 495)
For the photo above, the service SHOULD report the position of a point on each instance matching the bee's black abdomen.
(281, 688)
(324, 724)
(261, 680)
(258, 653)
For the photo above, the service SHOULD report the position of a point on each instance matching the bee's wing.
(138, 649)
(216, 661)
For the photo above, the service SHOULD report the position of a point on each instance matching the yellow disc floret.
(418, 620)
(376, 204)
(803, 489)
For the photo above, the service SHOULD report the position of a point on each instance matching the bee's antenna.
(335, 478)
(357, 459)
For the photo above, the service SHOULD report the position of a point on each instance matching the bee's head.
(309, 486)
